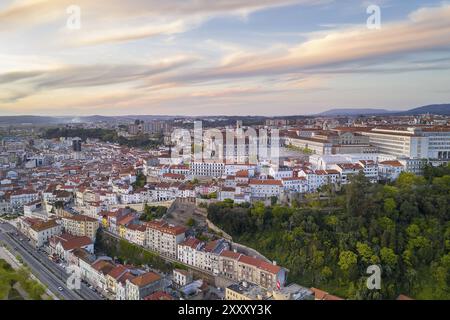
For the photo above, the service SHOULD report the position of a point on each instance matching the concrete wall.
(215, 228)
(140, 206)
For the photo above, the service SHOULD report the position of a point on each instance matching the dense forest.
(105, 135)
(330, 238)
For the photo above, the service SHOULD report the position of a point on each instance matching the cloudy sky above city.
(221, 57)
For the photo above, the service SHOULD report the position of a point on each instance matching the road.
(48, 272)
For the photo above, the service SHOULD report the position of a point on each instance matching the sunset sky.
(221, 57)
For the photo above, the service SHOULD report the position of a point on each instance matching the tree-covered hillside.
(328, 242)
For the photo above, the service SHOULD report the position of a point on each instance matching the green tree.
(347, 260)
(388, 257)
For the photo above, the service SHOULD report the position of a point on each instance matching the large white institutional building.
(414, 143)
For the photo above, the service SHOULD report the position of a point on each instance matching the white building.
(390, 170)
(20, 197)
(164, 238)
(187, 251)
(295, 184)
(413, 142)
(265, 188)
(39, 231)
(181, 277)
(214, 169)
(280, 172)
(232, 169)
(370, 169)
(346, 170)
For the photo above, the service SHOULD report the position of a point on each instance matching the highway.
(48, 272)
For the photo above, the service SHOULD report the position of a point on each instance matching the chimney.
(274, 262)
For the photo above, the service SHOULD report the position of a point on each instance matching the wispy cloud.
(90, 76)
(180, 61)
(426, 29)
(120, 21)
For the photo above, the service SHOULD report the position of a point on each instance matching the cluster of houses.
(65, 199)
(70, 238)
(213, 257)
(105, 177)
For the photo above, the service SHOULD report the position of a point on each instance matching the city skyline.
(288, 57)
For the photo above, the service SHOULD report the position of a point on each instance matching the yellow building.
(122, 231)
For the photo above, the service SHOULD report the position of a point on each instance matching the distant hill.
(352, 112)
(5, 120)
(43, 120)
(439, 109)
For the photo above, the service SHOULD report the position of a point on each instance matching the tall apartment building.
(164, 238)
(80, 225)
(187, 251)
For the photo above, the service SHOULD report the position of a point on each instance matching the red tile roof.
(118, 271)
(323, 295)
(137, 227)
(44, 225)
(191, 242)
(80, 218)
(260, 264)
(231, 254)
(70, 242)
(159, 295)
(393, 163)
(103, 266)
(145, 279)
(266, 182)
(164, 227)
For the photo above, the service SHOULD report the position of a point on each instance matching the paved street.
(48, 272)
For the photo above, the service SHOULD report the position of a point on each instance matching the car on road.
(60, 288)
